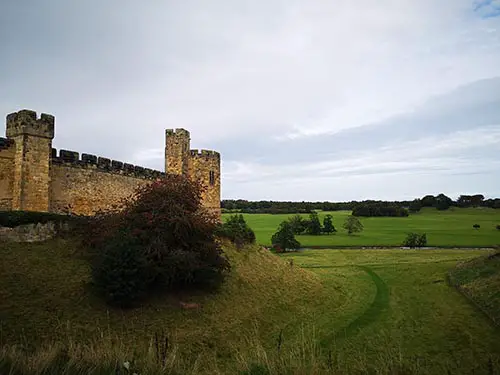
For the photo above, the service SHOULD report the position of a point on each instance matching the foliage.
(284, 237)
(415, 205)
(498, 226)
(167, 238)
(414, 240)
(443, 202)
(328, 224)
(236, 229)
(476, 226)
(13, 219)
(370, 209)
(352, 225)
(287, 207)
(313, 224)
(299, 224)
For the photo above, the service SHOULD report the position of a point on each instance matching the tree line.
(360, 208)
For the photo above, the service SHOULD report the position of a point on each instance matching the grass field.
(332, 311)
(451, 228)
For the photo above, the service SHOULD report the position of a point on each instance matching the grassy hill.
(328, 312)
(479, 280)
(450, 228)
(44, 297)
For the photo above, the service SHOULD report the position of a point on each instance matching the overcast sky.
(306, 100)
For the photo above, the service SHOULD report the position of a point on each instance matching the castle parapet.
(178, 132)
(207, 154)
(72, 158)
(26, 122)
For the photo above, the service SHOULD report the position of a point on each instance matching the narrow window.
(211, 176)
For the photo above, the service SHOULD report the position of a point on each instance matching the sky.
(305, 100)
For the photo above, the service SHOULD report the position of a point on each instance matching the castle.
(34, 177)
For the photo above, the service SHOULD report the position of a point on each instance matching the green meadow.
(335, 311)
(450, 228)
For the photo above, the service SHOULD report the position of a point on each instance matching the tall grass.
(111, 356)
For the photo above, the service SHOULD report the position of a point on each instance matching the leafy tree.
(159, 239)
(443, 202)
(415, 205)
(314, 225)
(428, 201)
(236, 229)
(284, 237)
(476, 226)
(414, 240)
(328, 224)
(352, 225)
(298, 223)
(498, 227)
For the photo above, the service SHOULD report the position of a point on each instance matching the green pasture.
(450, 228)
(327, 312)
(399, 301)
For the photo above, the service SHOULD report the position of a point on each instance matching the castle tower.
(205, 168)
(177, 145)
(33, 145)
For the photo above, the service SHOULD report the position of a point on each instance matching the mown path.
(370, 315)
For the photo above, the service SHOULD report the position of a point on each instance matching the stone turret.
(177, 145)
(33, 144)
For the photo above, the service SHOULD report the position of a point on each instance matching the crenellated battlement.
(207, 154)
(25, 122)
(179, 132)
(34, 176)
(73, 159)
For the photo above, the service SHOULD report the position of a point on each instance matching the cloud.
(267, 83)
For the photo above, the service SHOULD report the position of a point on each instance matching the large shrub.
(414, 240)
(284, 238)
(236, 229)
(161, 238)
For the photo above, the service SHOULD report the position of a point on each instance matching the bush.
(498, 227)
(284, 238)
(161, 239)
(13, 219)
(414, 240)
(352, 225)
(476, 226)
(236, 230)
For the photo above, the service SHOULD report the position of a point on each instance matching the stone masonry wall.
(204, 166)
(86, 186)
(6, 173)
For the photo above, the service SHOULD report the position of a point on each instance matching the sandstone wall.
(7, 149)
(86, 186)
(204, 166)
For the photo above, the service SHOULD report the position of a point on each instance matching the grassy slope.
(43, 296)
(479, 280)
(402, 305)
(444, 228)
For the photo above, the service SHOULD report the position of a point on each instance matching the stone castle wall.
(35, 177)
(7, 152)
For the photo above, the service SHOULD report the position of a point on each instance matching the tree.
(443, 202)
(415, 205)
(284, 237)
(414, 240)
(237, 230)
(476, 226)
(159, 239)
(498, 227)
(328, 224)
(428, 201)
(314, 225)
(298, 223)
(352, 225)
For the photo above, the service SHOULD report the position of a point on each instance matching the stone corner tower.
(33, 145)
